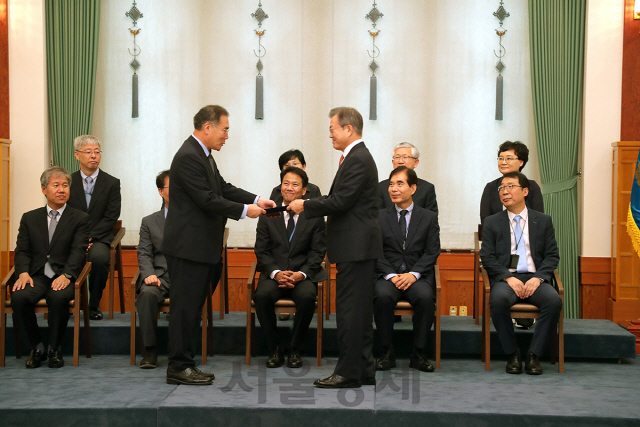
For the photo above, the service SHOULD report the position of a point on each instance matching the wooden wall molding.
(630, 102)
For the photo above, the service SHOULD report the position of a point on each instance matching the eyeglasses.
(507, 187)
(507, 159)
(225, 131)
(405, 157)
(89, 152)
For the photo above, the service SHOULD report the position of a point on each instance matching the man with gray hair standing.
(97, 193)
(406, 154)
(49, 256)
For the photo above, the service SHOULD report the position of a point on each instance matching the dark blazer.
(496, 245)
(151, 260)
(200, 205)
(304, 253)
(490, 203)
(312, 191)
(425, 196)
(353, 233)
(65, 253)
(422, 247)
(104, 208)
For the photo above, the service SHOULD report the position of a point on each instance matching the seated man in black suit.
(405, 154)
(49, 256)
(519, 252)
(97, 193)
(294, 158)
(411, 243)
(290, 252)
(153, 286)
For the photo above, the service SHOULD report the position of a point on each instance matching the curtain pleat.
(72, 28)
(556, 32)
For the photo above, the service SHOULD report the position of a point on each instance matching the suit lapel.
(505, 229)
(416, 218)
(533, 229)
(43, 225)
(392, 218)
(63, 221)
(160, 221)
(358, 146)
(98, 188)
(300, 226)
(214, 179)
(78, 190)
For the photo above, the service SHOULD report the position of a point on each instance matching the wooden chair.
(327, 268)
(523, 311)
(80, 301)
(404, 308)
(282, 306)
(164, 308)
(115, 264)
(477, 288)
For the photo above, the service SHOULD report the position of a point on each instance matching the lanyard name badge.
(513, 261)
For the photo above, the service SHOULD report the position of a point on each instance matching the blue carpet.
(107, 391)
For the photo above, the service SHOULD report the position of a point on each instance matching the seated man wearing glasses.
(97, 193)
(290, 251)
(519, 253)
(50, 254)
(405, 154)
(411, 244)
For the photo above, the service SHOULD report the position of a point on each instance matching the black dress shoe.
(95, 314)
(55, 359)
(532, 365)
(294, 360)
(187, 377)
(336, 381)
(150, 359)
(35, 358)
(208, 375)
(387, 361)
(276, 359)
(514, 364)
(421, 363)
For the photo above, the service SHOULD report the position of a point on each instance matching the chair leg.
(438, 348)
(222, 295)
(486, 336)
(87, 328)
(132, 346)
(209, 305)
(248, 338)
(328, 299)
(112, 260)
(120, 279)
(3, 333)
(561, 343)
(76, 332)
(320, 312)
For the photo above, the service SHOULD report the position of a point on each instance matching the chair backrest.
(117, 227)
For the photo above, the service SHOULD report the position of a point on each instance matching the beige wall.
(28, 104)
(601, 121)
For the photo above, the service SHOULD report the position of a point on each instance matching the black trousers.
(24, 317)
(189, 287)
(303, 295)
(99, 258)
(148, 306)
(420, 296)
(546, 298)
(354, 318)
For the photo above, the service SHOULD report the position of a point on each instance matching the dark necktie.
(48, 271)
(403, 231)
(291, 226)
(213, 165)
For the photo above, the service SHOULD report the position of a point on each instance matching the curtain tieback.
(556, 187)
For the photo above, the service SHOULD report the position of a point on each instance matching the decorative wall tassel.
(259, 98)
(373, 99)
(134, 96)
(499, 95)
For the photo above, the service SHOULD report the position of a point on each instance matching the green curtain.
(556, 32)
(72, 60)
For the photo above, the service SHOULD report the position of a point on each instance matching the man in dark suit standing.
(201, 202)
(519, 252)
(354, 244)
(411, 239)
(153, 286)
(406, 154)
(49, 256)
(290, 254)
(97, 193)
